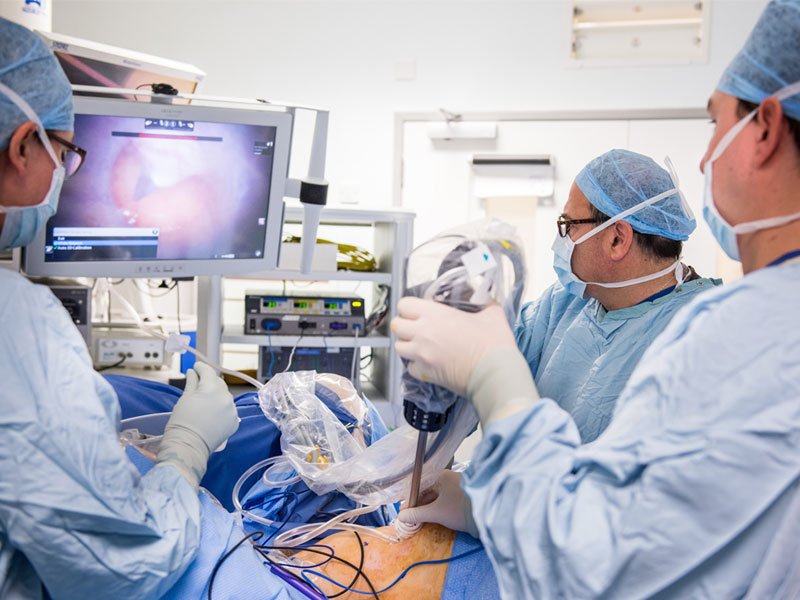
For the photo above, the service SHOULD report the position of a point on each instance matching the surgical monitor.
(168, 190)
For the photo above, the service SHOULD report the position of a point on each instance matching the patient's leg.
(384, 561)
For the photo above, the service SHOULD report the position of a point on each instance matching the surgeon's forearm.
(501, 385)
(187, 453)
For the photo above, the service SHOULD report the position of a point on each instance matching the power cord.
(332, 556)
(270, 327)
(396, 581)
(114, 366)
(261, 549)
(291, 355)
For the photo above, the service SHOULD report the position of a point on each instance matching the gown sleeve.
(682, 494)
(70, 500)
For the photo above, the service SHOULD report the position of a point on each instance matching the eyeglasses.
(564, 224)
(73, 155)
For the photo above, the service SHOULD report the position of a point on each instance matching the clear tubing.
(405, 530)
(304, 533)
(267, 462)
(281, 482)
(199, 355)
(298, 535)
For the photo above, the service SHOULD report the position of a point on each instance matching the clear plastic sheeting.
(324, 422)
(329, 455)
(144, 432)
(467, 267)
(470, 266)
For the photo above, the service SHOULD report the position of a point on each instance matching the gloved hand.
(203, 418)
(444, 343)
(445, 503)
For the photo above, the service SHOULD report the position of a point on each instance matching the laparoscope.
(467, 268)
(470, 273)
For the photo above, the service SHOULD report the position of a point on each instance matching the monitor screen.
(180, 190)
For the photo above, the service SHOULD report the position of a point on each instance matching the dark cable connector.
(164, 88)
(271, 324)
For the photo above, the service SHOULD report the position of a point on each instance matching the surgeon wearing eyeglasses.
(620, 281)
(76, 519)
(693, 490)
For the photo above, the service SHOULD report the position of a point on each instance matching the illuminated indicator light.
(356, 303)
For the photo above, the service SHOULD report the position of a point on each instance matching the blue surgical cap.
(770, 59)
(620, 179)
(29, 68)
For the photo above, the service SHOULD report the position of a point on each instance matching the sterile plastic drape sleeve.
(329, 455)
(70, 500)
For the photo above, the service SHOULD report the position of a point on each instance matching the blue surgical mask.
(725, 233)
(22, 223)
(563, 247)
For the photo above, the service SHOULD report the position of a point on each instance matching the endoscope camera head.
(468, 270)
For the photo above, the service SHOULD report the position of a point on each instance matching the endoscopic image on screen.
(164, 189)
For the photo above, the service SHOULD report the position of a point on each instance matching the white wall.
(470, 55)
(436, 178)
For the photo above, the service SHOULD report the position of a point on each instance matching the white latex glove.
(445, 503)
(203, 418)
(444, 343)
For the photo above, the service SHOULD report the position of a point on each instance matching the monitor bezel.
(33, 262)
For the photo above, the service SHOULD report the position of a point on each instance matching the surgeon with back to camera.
(688, 492)
(75, 517)
(622, 230)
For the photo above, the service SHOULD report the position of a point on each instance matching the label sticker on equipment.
(478, 260)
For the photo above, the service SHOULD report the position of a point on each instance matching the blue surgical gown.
(74, 512)
(581, 355)
(683, 493)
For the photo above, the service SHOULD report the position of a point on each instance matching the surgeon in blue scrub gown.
(686, 493)
(582, 341)
(76, 518)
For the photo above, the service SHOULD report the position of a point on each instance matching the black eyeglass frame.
(70, 146)
(563, 224)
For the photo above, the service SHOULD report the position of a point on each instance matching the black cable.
(116, 364)
(287, 571)
(257, 535)
(287, 519)
(157, 88)
(321, 510)
(370, 356)
(169, 289)
(331, 556)
(360, 568)
(231, 551)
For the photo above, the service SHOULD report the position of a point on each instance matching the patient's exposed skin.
(384, 561)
